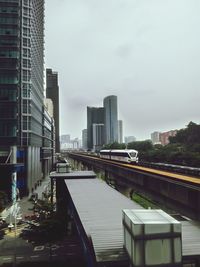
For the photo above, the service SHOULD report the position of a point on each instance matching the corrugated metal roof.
(190, 238)
(101, 221)
(100, 210)
(73, 175)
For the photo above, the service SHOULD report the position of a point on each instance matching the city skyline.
(146, 53)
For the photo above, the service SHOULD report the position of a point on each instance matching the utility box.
(62, 167)
(152, 238)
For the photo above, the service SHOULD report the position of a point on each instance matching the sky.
(147, 52)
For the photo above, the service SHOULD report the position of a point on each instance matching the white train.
(123, 155)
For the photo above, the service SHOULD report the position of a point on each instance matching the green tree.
(141, 146)
(114, 145)
(188, 137)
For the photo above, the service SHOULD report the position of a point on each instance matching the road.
(19, 250)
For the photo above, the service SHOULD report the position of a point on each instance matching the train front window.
(132, 154)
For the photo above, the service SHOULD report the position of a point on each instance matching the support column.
(13, 160)
(52, 186)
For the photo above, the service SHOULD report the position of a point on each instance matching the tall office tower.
(84, 139)
(21, 93)
(155, 138)
(98, 136)
(52, 92)
(76, 143)
(94, 116)
(120, 131)
(65, 138)
(111, 117)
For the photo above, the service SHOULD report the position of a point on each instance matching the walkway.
(24, 203)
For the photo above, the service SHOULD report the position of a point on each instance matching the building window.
(8, 79)
(7, 94)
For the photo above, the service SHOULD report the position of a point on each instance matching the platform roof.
(73, 175)
(100, 210)
(190, 238)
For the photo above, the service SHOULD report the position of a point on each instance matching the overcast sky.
(147, 52)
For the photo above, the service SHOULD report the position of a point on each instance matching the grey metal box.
(152, 238)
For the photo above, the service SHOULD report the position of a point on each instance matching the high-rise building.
(111, 118)
(48, 144)
(155, 138)
(164, 137)
(95, 115)
(49, 105)
(65, 138)
(65, 141)
(84, 139)
(98, 136)
(21, 94)
(120, 131)
(76, 143)
(52, 92)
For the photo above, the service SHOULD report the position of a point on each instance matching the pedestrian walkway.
(25, 204)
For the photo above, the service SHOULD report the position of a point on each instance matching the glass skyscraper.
(21, 91)
(95, 115)
(111, 119)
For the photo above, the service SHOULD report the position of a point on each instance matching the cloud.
(146, 52)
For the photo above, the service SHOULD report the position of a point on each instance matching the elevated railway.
(178, 192)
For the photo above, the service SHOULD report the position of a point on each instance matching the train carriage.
(122, 155)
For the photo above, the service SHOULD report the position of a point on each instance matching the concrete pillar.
(13, 160)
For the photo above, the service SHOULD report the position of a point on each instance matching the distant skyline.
(145, 52)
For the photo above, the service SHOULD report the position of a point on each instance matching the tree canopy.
(114, 145)
(183, 148)
(141, 145)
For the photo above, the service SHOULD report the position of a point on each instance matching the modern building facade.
(76, 144)
(95, 115)
(155, 138)
(120, 131)
(98, 136)
(84, 139)
(49, 105)
(65, 141)
(164, 137)
(65, 138)
(111, 119)
(52, 92)
(47, 152)
(21, 94)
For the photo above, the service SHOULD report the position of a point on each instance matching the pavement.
(15, 249)
(12, 247)
(24, 204)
